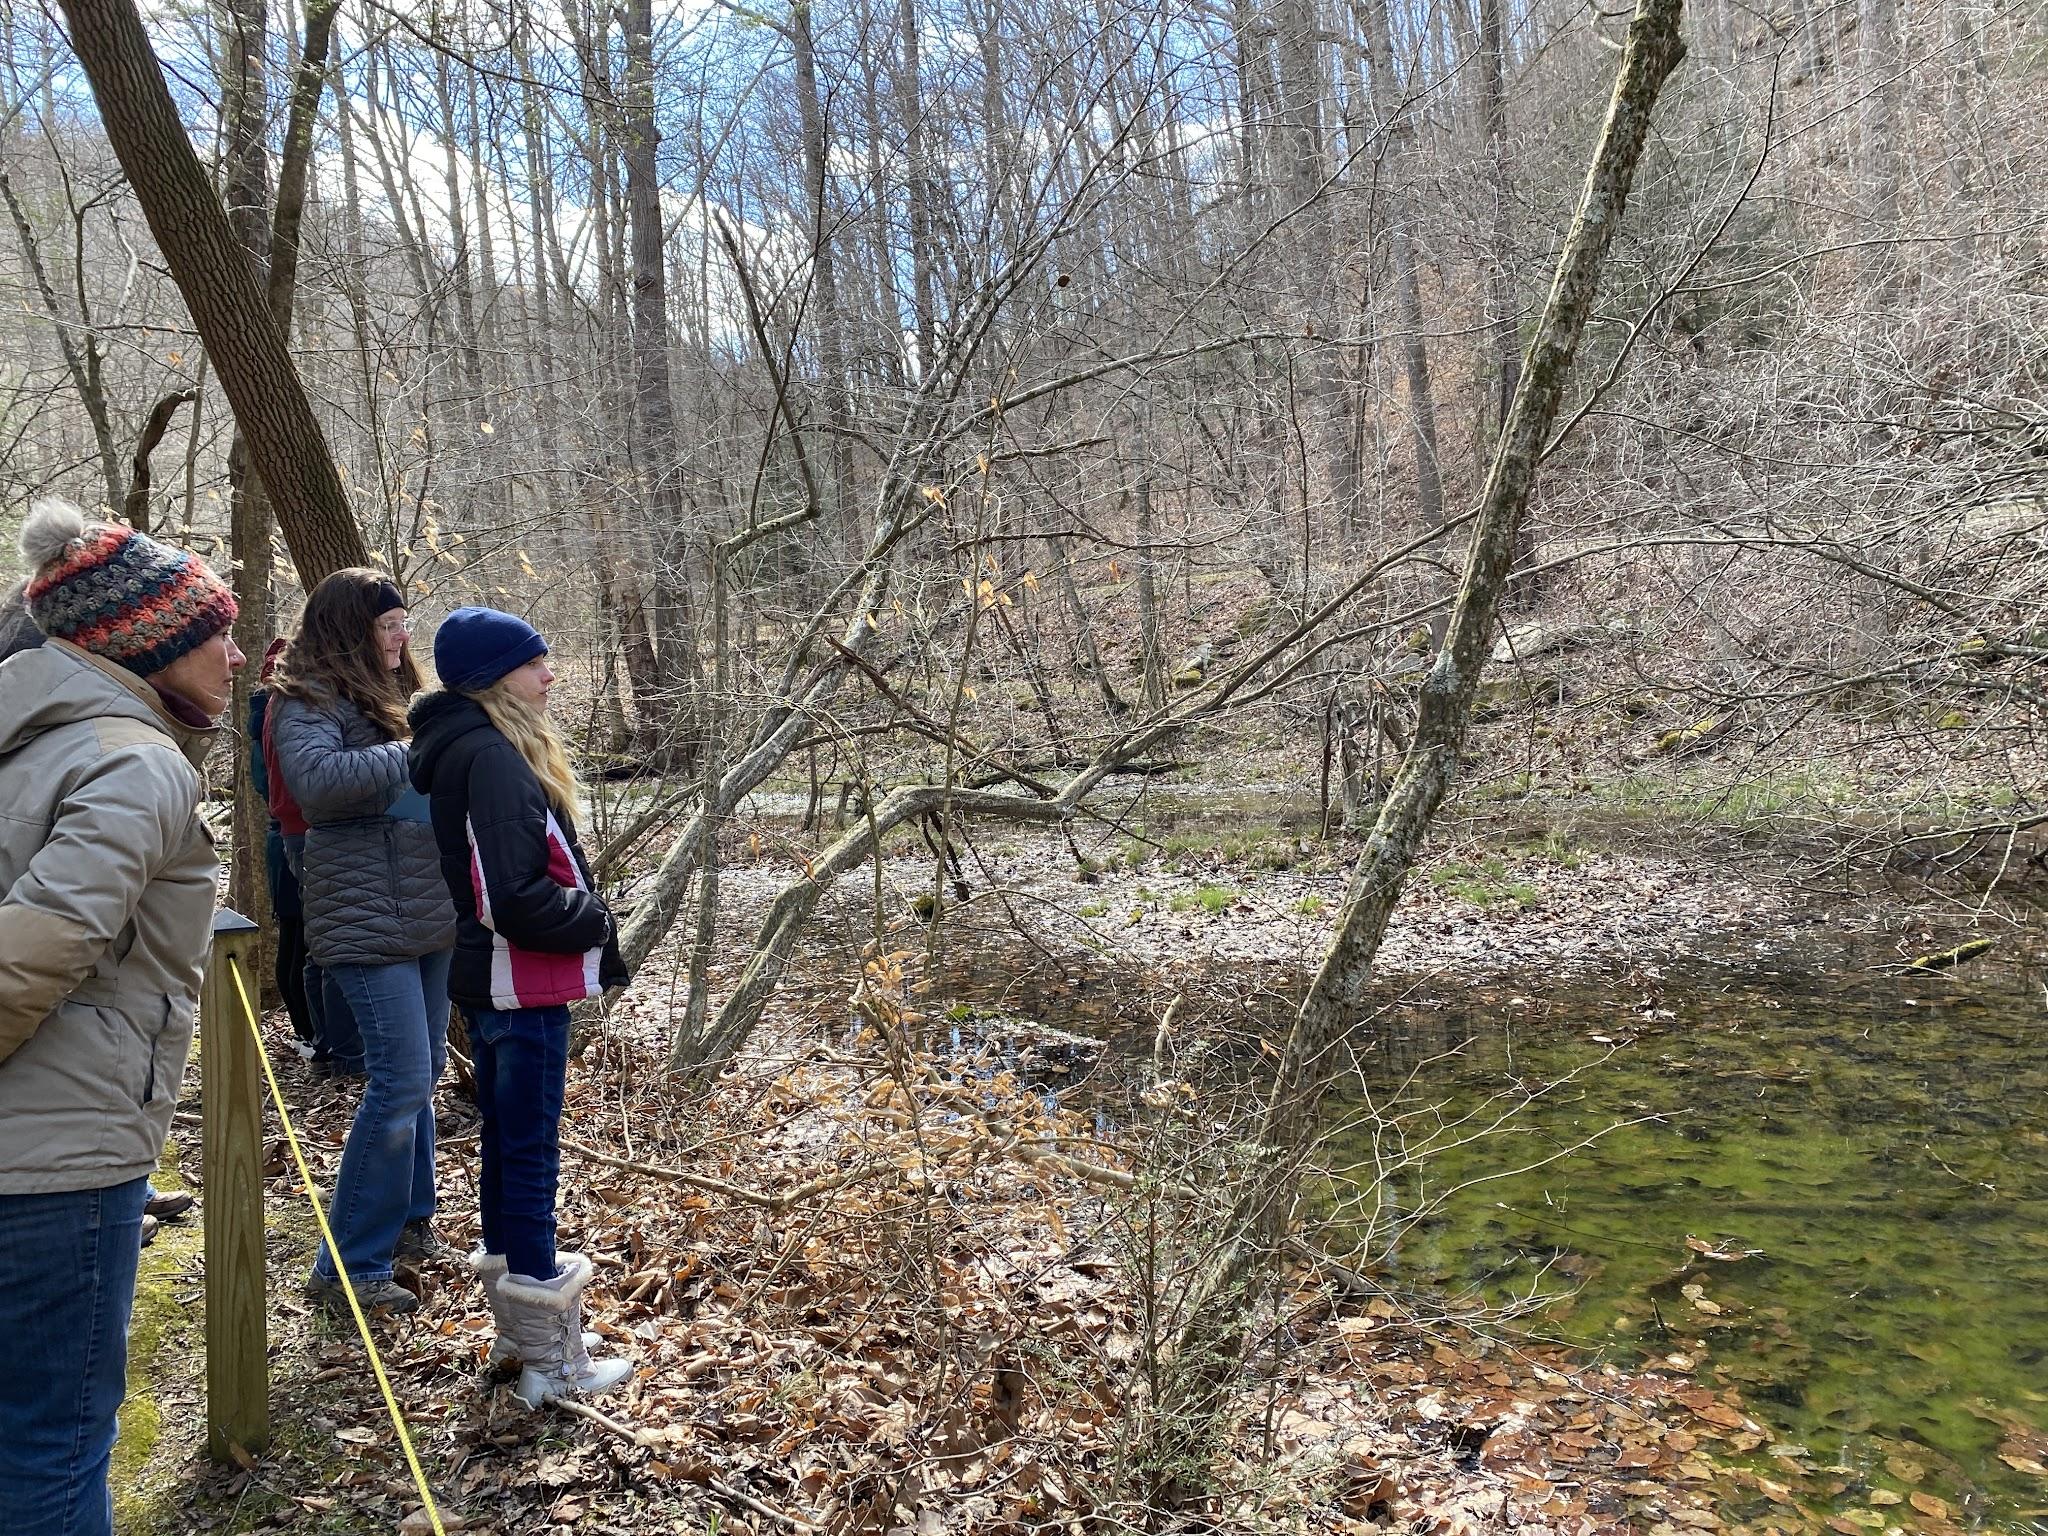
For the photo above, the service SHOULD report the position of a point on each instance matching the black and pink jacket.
(530, 931)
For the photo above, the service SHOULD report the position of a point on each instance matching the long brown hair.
(535, 738)
(333, 652)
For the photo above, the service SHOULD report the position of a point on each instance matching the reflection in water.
(1863, 1158)
(1867, 1172)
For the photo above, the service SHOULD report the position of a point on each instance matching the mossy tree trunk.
(1315, 1048)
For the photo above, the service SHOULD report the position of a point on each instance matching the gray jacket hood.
(58, 684)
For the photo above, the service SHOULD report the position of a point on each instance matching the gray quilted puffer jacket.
(370, 881)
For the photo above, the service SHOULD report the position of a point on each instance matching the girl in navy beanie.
(532, 937)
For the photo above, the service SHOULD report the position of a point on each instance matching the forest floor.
(880, 1278)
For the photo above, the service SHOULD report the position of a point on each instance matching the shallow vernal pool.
(1864, 1154)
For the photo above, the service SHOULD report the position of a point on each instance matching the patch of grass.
(1212, 899)
(1310, 905)
(1094, 909)
(1555, 847)
(1277, 855)
(1485, 884)
(1259, 845)
(1705, 800)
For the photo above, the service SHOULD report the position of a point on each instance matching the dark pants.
(336, 1037)
(291, 938)
(522, 1062)
(339, 1037)
(67, 1287)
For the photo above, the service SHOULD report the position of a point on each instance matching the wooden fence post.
(231, 1139)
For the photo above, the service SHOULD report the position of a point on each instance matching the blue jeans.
(387, 1168)
(522, 1061)
(67, 1286)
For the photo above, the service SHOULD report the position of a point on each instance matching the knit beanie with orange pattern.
(118, 593)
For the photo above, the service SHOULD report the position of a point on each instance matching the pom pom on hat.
(474, 647)
(118, 593)
(48, 528)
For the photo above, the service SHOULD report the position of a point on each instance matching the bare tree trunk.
(1878, 142)
(80, 353)
(286, 444)
(1500, 275)
(1084, 629)
(1314, 1050)
(135, 513)
(888, 340)
(1502, 314)
(654, 401)
(1813, 46)
(460, 274)
(272, 240)
(686, 1045)
(1401, 200)
(826, 308)
(910, 108)
(244, 32)
(295, 163)
(1151, 649)
(1313, 249)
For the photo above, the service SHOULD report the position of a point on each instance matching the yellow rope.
(348, 1289)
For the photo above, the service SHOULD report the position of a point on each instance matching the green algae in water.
(1886, 1160)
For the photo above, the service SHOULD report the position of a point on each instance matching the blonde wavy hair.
(536, 740)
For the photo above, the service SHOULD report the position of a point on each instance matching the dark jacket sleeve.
(259, 767)
(508, 828)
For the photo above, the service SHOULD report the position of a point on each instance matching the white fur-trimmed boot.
(544, 1319)
(490, 1269)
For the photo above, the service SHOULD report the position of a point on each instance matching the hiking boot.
(546, 1323)
(166, 1205)
(386, 1296)
(490, 1268)
(148, 1229)
(419, 1241)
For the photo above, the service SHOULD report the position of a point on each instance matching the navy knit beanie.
(474, 647)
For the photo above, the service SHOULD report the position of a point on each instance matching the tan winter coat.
(106, 900)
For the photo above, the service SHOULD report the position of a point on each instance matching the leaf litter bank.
(957, 1329)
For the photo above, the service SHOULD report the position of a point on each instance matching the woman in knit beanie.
(106, 898)
(154, 610)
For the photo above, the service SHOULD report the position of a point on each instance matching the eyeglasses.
(387, 627)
